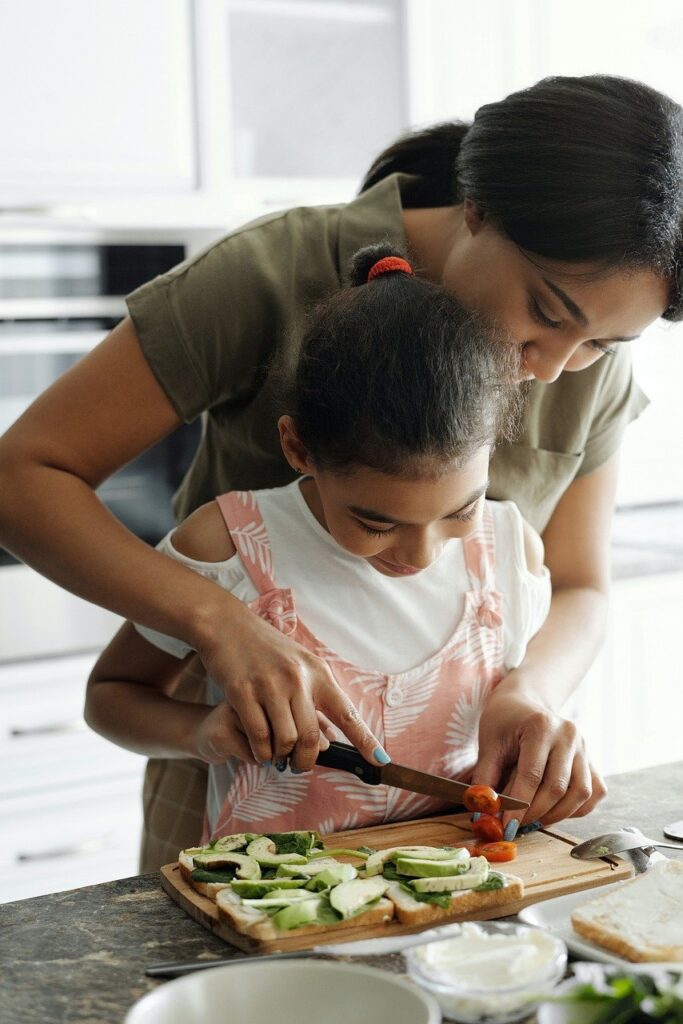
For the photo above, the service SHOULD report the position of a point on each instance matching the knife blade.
(346, 758)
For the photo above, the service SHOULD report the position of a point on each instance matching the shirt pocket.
(534, 478)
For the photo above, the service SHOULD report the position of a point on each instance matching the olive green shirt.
(210, 327)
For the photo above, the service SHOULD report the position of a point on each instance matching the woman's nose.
(546, 360)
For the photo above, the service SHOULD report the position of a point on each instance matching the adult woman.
(558, 212)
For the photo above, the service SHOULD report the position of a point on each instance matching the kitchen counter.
(79, 956)
(647, 540)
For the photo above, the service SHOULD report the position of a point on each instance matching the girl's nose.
(420, 551)
(546, 360)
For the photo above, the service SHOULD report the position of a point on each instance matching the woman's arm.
(106, 410)
(524, 741)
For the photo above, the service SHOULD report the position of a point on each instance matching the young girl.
(384, 559)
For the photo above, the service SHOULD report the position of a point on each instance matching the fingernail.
(511, 830)
(266, 764)
(533, 826)
(380, 754)
(281, 764)
(297, 771)
(476, 816)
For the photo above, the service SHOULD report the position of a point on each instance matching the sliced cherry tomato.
(482, 799)
(497, 853)
(488, 828)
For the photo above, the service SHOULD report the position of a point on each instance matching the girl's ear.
(294, 450)
(474, 216)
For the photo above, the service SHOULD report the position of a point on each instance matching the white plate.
(287, 993)
(555, 916)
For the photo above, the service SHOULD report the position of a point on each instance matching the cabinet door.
(317, 88)
(96, 99)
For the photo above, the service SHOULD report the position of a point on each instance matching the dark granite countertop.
(80, 956)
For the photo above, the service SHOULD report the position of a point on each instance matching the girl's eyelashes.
(373, 531)
(539, 316)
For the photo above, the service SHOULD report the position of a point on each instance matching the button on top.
(393, 697)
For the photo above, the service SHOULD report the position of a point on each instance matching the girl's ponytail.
(375, 260)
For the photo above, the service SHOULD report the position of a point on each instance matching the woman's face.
(562, 316)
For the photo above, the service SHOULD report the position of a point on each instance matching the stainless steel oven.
(58, 299)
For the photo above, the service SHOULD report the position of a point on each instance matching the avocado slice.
(476, 876)
(312, 867)
(245, 867)
(298, 914)
(279, 898)
(258, 889)
(265, 852)
(350, 898)
(374, 865)
(419, 868)
(333, 876)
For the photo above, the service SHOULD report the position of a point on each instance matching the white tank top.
(382, 623)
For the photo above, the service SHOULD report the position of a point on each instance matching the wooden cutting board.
(543, 863)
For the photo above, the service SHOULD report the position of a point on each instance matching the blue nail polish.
(296, 771)
(511, 830)
(476, 816)
(266, 764)
(281, 764)
(380, 754)
(533, 826)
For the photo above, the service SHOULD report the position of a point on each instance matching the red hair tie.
(389, 264)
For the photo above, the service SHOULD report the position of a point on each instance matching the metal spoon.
(613, 843)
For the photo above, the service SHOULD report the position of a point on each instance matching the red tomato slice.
(482, 799)
(497, 853)
(488, 828)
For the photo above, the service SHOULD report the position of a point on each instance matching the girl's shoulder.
(203, 536)
(516, 539)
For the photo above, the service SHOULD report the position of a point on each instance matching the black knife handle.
(347, 759)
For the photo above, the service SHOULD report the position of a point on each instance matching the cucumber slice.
(349, 897)
(298, 914)
(312, 867)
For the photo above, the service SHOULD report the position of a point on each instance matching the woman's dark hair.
(394, 374)
(577, 169)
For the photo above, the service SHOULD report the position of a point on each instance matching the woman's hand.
(536, 755)
(285, 699)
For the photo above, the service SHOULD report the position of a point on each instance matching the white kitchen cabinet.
(70, 802)
(96, 99)
(630, 705)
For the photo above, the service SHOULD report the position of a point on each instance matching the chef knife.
(346, 758)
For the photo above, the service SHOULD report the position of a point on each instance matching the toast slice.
(640, 920)
(257, 925)
(466, 901)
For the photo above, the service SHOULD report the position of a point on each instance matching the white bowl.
(287, 993)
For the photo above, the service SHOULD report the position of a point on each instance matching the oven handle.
(55, 728)
(87, 846)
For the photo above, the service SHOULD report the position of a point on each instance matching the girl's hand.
(276, 688)
(536, 755)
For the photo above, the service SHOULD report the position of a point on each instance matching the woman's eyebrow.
(576, 313)
(377, 517)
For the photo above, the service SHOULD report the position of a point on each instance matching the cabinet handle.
(87, 846)
(78, 725)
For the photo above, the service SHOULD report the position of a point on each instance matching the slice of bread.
(640, 920)
(466, 901)
(255, 923)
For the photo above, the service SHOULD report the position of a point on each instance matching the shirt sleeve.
(619, 401)
(208, 328)
(229, 574)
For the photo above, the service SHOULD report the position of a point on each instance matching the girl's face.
(399, 525)
(562, 315)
